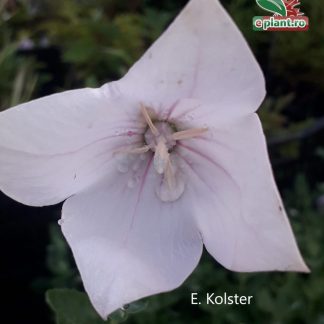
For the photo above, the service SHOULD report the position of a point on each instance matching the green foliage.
(18, 79)
(59, 262)
(72, 307)
(301, 54)
(98, 42)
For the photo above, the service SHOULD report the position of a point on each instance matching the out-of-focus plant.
(18, 79)
(301, 53)
(99, 39)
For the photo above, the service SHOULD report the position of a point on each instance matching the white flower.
(153, 166)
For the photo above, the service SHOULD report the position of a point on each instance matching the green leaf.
(136, 307)
(72, 307)
(275, 6)
(119, 316)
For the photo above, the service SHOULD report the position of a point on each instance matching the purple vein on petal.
(172, 108)
(257, 235)
(215, 141)
(140, 191)
(207, 158)
(72, 151)
(225, 206)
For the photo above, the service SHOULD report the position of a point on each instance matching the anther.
(188, 133)
(148, 119)
(138, 150)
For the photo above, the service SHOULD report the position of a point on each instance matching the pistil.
(161, 156)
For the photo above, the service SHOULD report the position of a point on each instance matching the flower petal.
(240, 213)
(202, 55)
(127, 243)
(55, 146)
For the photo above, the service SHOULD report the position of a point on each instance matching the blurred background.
(48, 46)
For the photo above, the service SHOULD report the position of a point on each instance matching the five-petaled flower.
(155, 165)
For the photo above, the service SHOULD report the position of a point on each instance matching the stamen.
(148, 119)
(188, 133)
(138, 150)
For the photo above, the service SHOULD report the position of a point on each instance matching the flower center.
(161, 138)
(164, 134)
